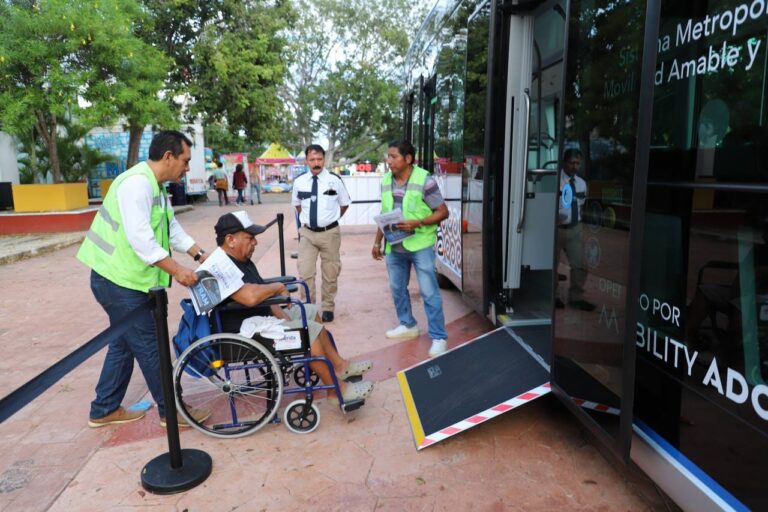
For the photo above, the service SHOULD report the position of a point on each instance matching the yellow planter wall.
(50, 197)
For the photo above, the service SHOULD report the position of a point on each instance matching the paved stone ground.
(535, 458)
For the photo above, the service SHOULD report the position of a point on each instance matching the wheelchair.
(242, 381)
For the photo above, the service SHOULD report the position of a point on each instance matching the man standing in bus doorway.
(412, 190)
(321, 199)
(573, 195)
(128, 251)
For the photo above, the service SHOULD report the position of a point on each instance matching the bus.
(655, 301)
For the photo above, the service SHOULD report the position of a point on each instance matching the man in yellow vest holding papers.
(411, 190)
(128, 251)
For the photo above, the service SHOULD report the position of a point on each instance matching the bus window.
(601, 101)
(476, 85)
(704, 276)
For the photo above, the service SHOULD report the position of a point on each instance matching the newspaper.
(387, 223)
(217, 278)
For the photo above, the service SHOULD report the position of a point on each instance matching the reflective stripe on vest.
(106, 249)
(414, 208)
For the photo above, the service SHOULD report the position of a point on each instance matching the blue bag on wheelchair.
(193, 327)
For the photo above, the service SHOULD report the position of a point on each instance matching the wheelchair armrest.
(277, 300)
(279, 279)
(289, 281)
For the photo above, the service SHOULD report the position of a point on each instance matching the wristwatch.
(199, 254)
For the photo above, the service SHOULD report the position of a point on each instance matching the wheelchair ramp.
(476, 381)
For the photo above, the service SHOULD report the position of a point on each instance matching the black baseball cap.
(235, 222)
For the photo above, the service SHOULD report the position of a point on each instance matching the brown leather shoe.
(116, 417)
(200, 415)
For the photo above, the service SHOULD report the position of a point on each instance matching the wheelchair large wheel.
(234, 378)
(301, 418)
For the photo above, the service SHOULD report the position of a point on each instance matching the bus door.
(534, 85)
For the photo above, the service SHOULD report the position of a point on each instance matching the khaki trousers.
(570, 241)
(327, 245)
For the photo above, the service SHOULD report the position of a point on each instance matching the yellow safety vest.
(414, 208)
(106, 248)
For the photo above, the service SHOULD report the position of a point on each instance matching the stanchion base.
(158, 477)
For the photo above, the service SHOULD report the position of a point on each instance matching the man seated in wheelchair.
(236, 235)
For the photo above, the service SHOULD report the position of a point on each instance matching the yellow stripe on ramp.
(410, 408)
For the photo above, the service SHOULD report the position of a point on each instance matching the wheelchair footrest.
(353, 406)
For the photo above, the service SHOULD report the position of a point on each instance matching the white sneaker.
(438, 347)
(402, 331)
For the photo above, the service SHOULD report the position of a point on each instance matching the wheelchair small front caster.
(300, 417)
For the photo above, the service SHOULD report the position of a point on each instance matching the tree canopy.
(345, 77)
(71, 58)
(252, 71)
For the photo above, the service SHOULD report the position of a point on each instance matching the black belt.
(568, 226)
(326, 228)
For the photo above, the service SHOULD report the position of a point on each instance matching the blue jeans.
(138, 341)
(399, 269)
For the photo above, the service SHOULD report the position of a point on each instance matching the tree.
(238, 69)
(78, 161)
(222, 140)
(129, 78)
(226, 59)
(345, 75)
(55, 53)
(172, 28)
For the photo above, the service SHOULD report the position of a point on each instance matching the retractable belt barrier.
(18, 399)
(280, 238)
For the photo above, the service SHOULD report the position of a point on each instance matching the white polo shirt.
(332, 194)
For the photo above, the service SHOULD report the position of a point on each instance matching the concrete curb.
(26, 247)
(14, 248)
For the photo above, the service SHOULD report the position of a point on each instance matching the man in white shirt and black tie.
(320, 198)
(573, 195)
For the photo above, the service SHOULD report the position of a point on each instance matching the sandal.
(355, 369)
(355, 391)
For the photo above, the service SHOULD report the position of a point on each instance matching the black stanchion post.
(178, 470)
(281, 239)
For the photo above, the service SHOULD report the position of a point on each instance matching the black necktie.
(313, 204)
(574, 204)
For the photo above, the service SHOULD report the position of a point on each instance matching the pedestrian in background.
(321, 199)
(239, 181)
(411, 189)
(255, 184)
(222, 183)
(128, 251)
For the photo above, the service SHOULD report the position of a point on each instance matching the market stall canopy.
(275, 154)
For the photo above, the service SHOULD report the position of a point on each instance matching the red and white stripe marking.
(485, 415)
(586, 404)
